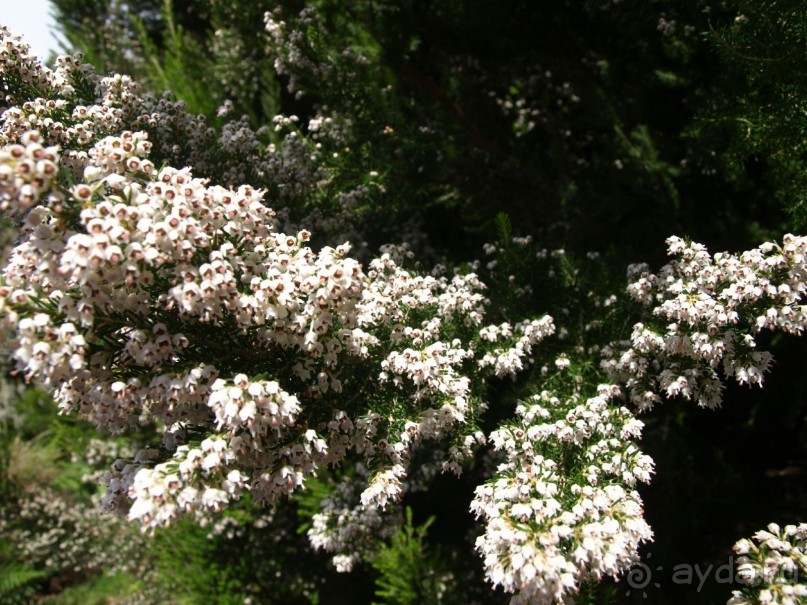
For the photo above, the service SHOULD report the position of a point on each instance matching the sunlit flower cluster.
(510, 361)
(706, 314)
(140, 295)
(27, 173)
(773, 566)
(562, 509)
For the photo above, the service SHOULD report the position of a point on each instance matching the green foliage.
(597, 594)
(45, 448)
(309, 500)
(245, 554)
(753, 122)
(644, 155)
(179, 65)
(18, 582)
(187, 562)
(504, 229)
(101, 590)
(410, 572)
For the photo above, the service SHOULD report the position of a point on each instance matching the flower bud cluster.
(27, 173)
(773, 566)
(294, 55)
(706, 313)
(562, 509)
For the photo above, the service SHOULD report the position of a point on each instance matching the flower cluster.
(66, 117)
(27, 173)
(347, 528)
(562, 508)
(54, 109)
(295, 55)
(706, 313)
(772, 565)
(510, 361)
(145, 295)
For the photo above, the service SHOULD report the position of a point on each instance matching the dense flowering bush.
(91, 309)
(150, 297)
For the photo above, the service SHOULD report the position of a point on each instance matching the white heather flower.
(385, 487)
(562, 362)
(225, 109)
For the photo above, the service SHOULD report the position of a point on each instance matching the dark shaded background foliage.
(651, 118)
(704, 118)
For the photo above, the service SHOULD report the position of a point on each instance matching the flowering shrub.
(171, 302)
(116, 273)
(89, 540)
